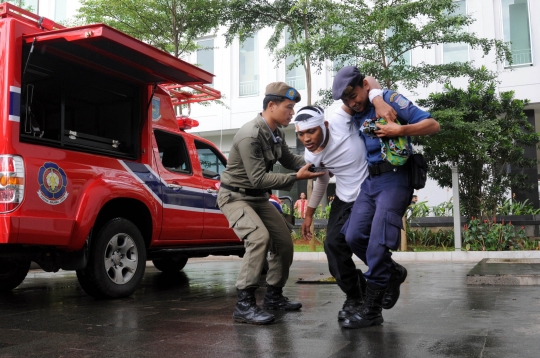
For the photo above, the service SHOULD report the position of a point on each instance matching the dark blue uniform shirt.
(406, 113)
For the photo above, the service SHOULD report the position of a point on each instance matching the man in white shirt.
(335, 144)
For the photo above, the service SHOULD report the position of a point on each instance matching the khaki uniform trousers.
(263, 229)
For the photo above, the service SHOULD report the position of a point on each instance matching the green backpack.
(395, 150)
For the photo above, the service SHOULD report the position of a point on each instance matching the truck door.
(182, 197)
(216, 226)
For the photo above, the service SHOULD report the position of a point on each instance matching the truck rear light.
(11, 182)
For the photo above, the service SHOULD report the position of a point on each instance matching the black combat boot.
(274, 300)
(247, 310)
(370, 312)
(355, 298)
(399, 274)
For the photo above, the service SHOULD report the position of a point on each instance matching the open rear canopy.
(104, 48)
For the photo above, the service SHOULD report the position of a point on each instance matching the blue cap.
(348, 76)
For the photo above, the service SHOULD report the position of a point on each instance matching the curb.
(431, 256)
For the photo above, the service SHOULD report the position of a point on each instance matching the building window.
(297, 76)
(60, 8)
(457, 52)
(31, 5)
(205, 55)
(515, 15)
(249, 67)
(406, 56)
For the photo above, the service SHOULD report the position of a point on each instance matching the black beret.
(281, 89)
(347, 76)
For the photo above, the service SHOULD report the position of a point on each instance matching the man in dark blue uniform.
(375, 223)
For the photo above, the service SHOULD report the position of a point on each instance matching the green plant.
(428, 238)
(327, 210)
(443, 209)
(489, 235)
(418, 210)
(296, 235)
(497, 122)
(320, 236)
(510, 207)
(321, 213)
(286, 209)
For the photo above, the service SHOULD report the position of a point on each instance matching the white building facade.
(56, 10)
(243, 71)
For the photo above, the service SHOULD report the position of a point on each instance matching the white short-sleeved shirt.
(346, 153)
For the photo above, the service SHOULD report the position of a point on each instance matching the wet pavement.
(189, 315)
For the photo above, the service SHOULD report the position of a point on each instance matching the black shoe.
(247, 311)
(350, 307)
(355, 298)
(399, 274)
(370, 312)
(274, 300)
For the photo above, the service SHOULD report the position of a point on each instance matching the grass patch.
(306, 248)
(422, 248)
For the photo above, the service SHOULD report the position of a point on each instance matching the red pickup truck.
(97, 173)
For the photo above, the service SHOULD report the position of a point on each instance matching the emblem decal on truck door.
(156, 109)
(52, 184)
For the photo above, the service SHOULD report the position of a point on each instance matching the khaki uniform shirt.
(254, 153)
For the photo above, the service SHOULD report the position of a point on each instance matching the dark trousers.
(375, 224)
(337, 251)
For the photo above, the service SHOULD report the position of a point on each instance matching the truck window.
(212, 162)
(66, 104)
(173, 152)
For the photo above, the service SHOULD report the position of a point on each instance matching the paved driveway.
(189, 315)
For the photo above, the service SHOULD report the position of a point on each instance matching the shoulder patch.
(393, 96)
(402, 102)
(256, 150)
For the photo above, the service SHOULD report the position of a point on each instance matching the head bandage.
(310, 117)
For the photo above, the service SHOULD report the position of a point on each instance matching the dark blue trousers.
(375, 223)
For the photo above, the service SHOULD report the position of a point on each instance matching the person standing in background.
(301, 205)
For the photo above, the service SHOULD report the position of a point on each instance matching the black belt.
(385, 167)
(249, 192)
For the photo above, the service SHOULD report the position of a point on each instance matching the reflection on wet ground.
(189, 315)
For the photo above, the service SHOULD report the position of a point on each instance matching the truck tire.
(170, 264)
(116, 263)
(12, 273)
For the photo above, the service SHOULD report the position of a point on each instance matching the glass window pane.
(205, 55)
(31, 5)
(173, 152)
(212, 163)
(297, 76)
(515, 15)
(249, 67)
(60, 8)
(457, 52)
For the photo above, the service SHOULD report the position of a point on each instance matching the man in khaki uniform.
(243, 198)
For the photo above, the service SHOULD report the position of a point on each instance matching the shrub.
(489, 235)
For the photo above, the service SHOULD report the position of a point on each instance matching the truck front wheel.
(12, 273)
(117, 261)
